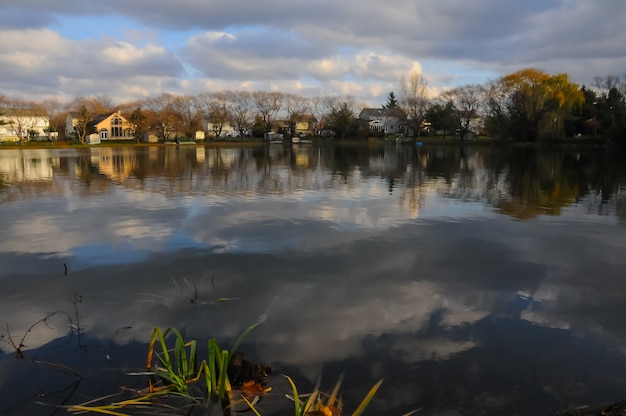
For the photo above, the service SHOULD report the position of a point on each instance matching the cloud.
(40, 57)
(145, 47)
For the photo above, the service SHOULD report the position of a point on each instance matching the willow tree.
(539, 101)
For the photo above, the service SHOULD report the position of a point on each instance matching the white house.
(384, 120)
(216, 130)
(18, 124)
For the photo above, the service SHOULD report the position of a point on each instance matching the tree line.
(528, 105)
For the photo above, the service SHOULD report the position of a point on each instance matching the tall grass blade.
(368, 398)
(251, 406)
(214, 351)
(335, 393)
(243, 335)
(79, 408)
(296, 398)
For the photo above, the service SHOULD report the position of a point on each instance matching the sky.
(136, 49)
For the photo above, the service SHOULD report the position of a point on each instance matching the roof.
(23, 112)
(370, 113)
(101, 117)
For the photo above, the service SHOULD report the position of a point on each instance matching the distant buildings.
(384, 120)
(22, 124)
(110, 126)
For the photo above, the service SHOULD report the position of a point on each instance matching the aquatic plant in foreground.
(173, 374)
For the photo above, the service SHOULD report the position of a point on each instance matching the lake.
(474, 280)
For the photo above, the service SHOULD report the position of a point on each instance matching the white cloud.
(361, 48)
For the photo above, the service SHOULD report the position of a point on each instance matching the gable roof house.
(384, 120)
(306, 125)
(17, 124)
(110, 126)
(303, 125)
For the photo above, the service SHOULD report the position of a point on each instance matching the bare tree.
(319, 110)
(187, 115)
(240, 109)
(81, 118)
(216, 108)
(296, 107)
(23, 118)
(607, 83)
(414, 100)
(160, 113)
(466, 101)
(82, 111)
(268, 104)
(495, 103)
(104, 104)
(55, 112)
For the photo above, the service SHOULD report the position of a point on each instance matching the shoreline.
(370, 141)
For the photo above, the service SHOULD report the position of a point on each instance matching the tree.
(316, 105)
(82, 127)
(3, 104)
(414, 100)
(296, 108)
(187, 115)
(441, 118)
(495, 104)
(538, 101)
(56, 117)
(140, 121)
(268, 104)
(101, 104)
(217, 112)
(342, 114)
(585, 119)
(392, 102)
(240, 109)
(465, 101)
(161, 116)
(83, 110)
(610, 107)
(23, 118)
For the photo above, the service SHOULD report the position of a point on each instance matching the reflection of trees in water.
(521, 181)
(527, 181)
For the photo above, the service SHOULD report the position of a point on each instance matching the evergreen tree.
(392, 102)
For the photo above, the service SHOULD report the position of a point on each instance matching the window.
(104, 134)
(116, 127)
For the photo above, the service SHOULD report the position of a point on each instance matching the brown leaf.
(252, 388)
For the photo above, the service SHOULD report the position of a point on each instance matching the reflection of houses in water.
(33, 165)
(301, 156)
(200, 154)
(114, 163)
(223, 158)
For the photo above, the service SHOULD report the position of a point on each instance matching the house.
(110, 126)
(384, 120)
(305, 125)
(219, 130)
(17, 124)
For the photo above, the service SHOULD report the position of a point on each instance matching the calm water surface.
(477, 280)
